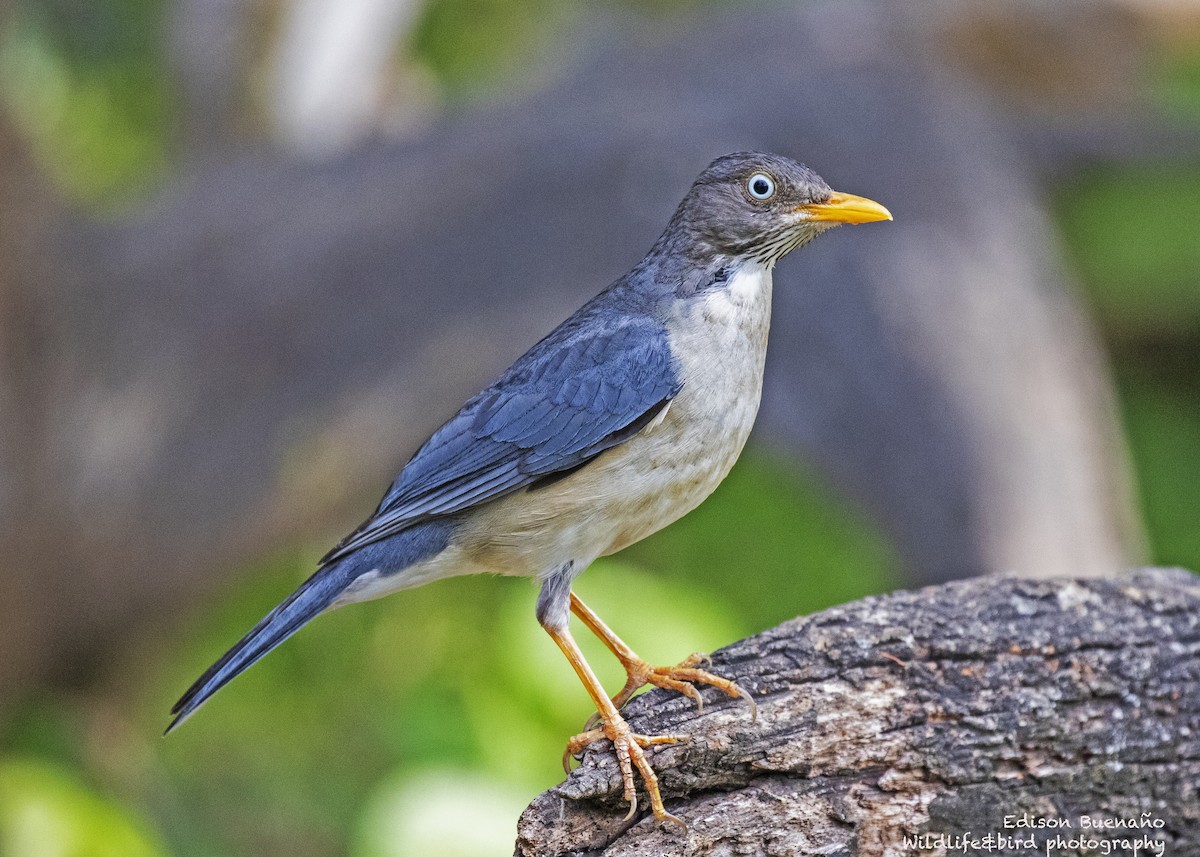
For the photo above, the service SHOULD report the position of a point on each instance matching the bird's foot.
(682, 678)
(630, 751)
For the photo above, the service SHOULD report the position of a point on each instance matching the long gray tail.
(313, 596)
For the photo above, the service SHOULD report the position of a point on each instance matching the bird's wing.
(589, 386)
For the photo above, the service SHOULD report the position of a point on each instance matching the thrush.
(621, 420)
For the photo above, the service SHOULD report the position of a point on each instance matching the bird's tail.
(313, 596)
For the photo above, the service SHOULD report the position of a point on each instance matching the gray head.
(758, 206)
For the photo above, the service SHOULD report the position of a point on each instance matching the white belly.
(668, 469)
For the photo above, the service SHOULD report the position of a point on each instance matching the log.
(996, 706)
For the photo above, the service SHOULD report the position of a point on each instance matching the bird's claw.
(632, 809)
(629, 749)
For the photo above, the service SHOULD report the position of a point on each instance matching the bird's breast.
(719, 341)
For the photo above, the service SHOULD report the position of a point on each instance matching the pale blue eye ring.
(760, 186)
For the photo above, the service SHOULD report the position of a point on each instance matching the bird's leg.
(682, 677)
(626, 744)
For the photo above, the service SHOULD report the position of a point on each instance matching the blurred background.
(251, 253)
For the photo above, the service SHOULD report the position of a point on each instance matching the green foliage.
(1133, 236)
(478, 46)
(1163, 424)
(1175, 82)
(1132, 232)
(87, 83)
(410, 813)
(45, 811)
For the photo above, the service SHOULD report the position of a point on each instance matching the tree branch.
(940, 711)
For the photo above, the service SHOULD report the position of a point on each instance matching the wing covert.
(584, 389)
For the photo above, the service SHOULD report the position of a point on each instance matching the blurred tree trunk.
(245, 361)
(943, 711)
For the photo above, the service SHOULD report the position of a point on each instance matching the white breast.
(720, 341)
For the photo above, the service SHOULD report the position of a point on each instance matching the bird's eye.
(760, 186)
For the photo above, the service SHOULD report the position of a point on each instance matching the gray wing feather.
(590, 385)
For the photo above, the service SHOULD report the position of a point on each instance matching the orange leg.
(682, 677)
(627, 745)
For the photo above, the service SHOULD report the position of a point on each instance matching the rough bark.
(940, 711)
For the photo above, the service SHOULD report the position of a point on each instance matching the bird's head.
(759, 207)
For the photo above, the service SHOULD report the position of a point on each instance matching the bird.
(621, 420)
